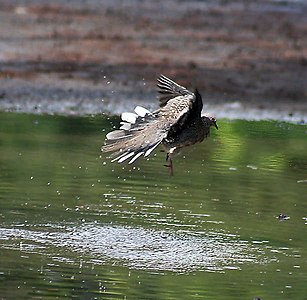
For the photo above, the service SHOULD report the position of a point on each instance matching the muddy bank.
(249, 59)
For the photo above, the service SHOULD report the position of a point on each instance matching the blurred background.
(248, 58)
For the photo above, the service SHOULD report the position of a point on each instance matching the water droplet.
(252, 167)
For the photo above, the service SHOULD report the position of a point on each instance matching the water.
(72, 224)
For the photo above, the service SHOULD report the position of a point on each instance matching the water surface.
(73, 224)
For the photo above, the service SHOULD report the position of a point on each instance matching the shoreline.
(230, 111)
(49, 97)
(248, 60)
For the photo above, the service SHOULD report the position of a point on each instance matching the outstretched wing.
(179, 105)
(139, 135)
(170, 89)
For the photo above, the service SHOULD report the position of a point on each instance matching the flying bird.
(176, 124)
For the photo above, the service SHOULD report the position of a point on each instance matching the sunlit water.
(73, 224)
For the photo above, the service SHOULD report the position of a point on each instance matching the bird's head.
(211, 121)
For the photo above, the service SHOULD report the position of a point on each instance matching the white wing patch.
(141, 111)
(125, 126)
(129, 117)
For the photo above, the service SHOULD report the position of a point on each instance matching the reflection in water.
(139, 248)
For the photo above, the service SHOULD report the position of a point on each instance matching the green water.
(74, 225)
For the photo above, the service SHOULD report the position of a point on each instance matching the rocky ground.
(248, 58)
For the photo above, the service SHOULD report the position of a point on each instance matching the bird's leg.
(167, 159)
(170, 161)
(171, 170)
(169, 164)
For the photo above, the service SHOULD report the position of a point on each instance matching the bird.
(178, 123)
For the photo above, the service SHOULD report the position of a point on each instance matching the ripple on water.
(139, 248)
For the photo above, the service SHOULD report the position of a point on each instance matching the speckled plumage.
(177, 124)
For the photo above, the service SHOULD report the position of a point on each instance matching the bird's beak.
(215, 125)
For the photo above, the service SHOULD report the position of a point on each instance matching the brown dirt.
(66, 57)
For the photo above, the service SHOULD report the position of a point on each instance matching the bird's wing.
(137, 136)
(181, 111)
(170, 89)
(142, 132)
